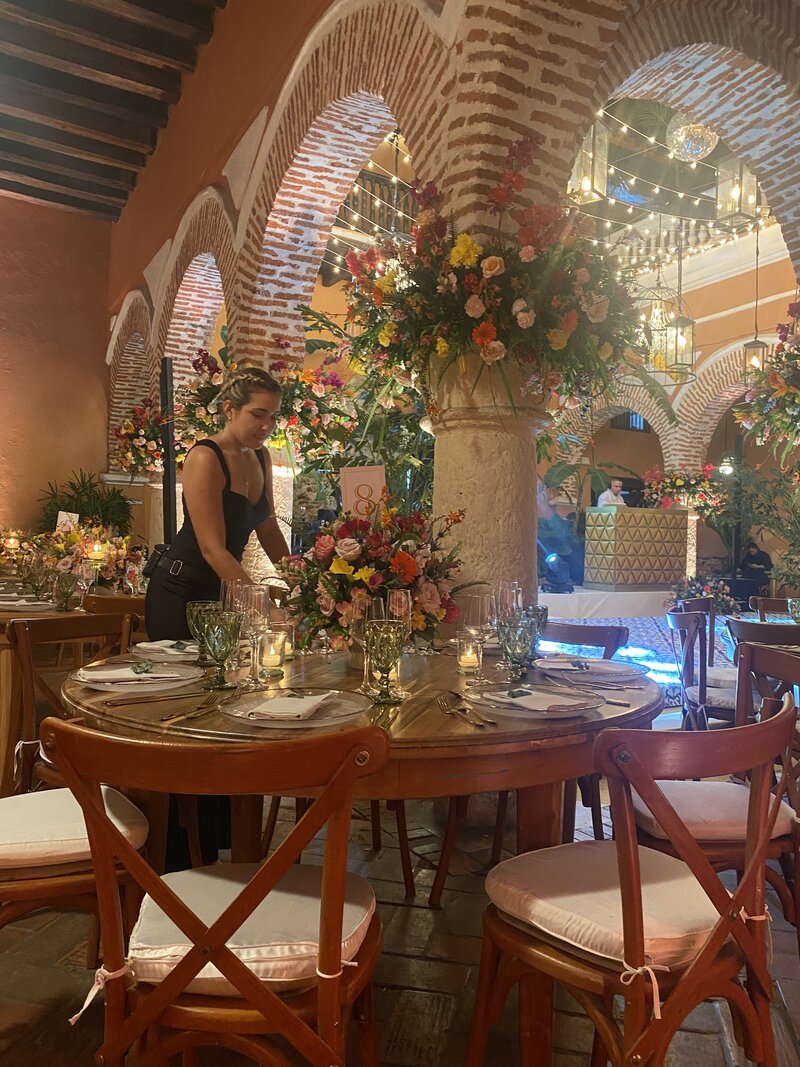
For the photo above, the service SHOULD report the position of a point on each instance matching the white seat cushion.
(46, 828)
(715, 698)
(718, 677)
(279, 942)
(712, 811)
(571, 893)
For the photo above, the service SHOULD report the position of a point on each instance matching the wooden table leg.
(538, 816)
(246, 817)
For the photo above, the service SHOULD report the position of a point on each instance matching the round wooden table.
(432, 754)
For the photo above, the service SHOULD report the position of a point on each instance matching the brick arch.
(702, 404)
(627, 398)
(365, 68)
(128, 359)
(197, 280)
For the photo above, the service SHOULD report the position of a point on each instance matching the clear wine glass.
(256, 605)
(479, 612)
(85, 579)
(399, 606)
(233, 594)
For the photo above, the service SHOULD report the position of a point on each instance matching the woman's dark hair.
(240, 386)
(751, 544)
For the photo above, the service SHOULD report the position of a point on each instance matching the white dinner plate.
(182, 674)
(546, 699)
(22, 606)
(342, 706)
(600, 669)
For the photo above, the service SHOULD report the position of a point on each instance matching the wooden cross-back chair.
(699, 700)
(109, 632)
(765, 605)
(764, 633)
(118, 604)
(610, 639)
(708, 606)
(170, 1008)
(679, 937)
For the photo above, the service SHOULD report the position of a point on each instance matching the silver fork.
(453, 704)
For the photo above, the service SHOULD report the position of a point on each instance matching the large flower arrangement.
(195, 413)
(67, 549)
(354, 559)
(771, 410)
(14, 543)
(139, 447)
(684, 486)
(543, 298)
(701, 585)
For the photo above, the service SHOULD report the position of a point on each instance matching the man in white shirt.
(612, 495)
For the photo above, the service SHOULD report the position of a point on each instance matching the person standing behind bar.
(227, 494)
(612, 495)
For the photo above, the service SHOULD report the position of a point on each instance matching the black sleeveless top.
(241, 518)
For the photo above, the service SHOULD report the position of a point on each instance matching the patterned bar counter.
(634, 548)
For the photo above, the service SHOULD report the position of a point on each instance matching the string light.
(626, 127)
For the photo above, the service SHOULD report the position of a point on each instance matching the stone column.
(485, 463)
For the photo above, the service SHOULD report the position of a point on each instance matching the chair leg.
(479, 1030)
(499, 827)
(568, 811)
(187, 815)
(536, 996)
(434, 900)
(375, 823)
(271, 823)
(93, 942)
(364, 1011)
(405, 849)
(595, 805)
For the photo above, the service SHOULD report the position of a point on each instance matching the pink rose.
(598, 312)
(451, 612)
(493, 266)
(572, 402)
(326, 603)
(428, 599)
(318, 389)
(325, 544)
(527, 253)
(525, 320)
(475, 307)
(64, 564)
(348, 549)
(493, 351)
(582, 276)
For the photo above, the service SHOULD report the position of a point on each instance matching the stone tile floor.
(425, 982)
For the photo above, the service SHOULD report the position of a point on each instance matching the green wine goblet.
(221, 631)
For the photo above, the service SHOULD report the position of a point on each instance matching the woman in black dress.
(227, 494)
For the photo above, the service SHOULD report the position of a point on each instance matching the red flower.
(484, 333)
(404, 566)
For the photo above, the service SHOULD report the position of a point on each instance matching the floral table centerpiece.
(692, 488)
(139, 446)
(67, 549)
(771, 411)
(354, 559)
(702, 585)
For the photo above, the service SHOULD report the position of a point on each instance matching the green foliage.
(95, 504)
(771, 502)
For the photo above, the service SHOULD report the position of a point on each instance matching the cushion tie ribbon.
(648, 969)
(101, 976)
(345, 963)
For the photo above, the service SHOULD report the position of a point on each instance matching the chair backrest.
(765, 604)
(687, 633)
(118, 604)
(609, 638)
(637, 760)
(764, 633)
(708, 605)
(25, 635)
(326, 767)
(765, 671)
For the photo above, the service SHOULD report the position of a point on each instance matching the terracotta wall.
(53, 337)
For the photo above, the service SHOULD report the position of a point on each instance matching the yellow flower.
(364, 574)
(341, 566)
(606, 351)
(127, 426)
(387, 334)
(679, 481)
(386, 283)
(465, 252)
(558, 339)
(442, 347)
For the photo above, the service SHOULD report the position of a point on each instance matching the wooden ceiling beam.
(43, 179)
(177, 18)
(25, 101)
(37, 45)
(71, 166)
(73, 203)
(79, 145)
(83, 93)
(76, 23)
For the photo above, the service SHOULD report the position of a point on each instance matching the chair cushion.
(719, 677)
(279, 942)
(45, 828)
(712, 811)
(571, 893)
(715, 698)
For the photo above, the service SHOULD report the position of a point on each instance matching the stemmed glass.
(480, 611)
(233, 594)
(221, 632)
(517, 635)
(384, 643)
(85, 576)
(374, 611)
(256, 605)
(399, 607)
(194, 611)
(509, 604)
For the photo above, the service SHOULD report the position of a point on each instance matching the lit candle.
(468, 653)
(273, 645)
(12, 543)
(97, 552)
(468, 659)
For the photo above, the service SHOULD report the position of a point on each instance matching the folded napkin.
(174, 648)
(533, 701)
(127, 674)
(291, 706)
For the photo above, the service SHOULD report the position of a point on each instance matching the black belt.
(178, 569)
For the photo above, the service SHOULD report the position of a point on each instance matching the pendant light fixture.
(755, 351)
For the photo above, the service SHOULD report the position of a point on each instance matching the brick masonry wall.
(194, 313)
(129, 367)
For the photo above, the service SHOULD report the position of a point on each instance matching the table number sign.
(362, 489)
(67, 520)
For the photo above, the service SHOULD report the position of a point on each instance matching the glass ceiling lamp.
(588, 182)
(688, 140)
(680, 332)
(738, 195)
(755, 351)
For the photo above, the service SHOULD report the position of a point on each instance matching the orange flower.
(483, 333)
(404, 566)
(569, 323)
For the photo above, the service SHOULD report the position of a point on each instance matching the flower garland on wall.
(697, 489)
(139, 447)
(771, 411)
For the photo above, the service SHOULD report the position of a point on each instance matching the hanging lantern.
(589, 179)
(738, 195)
(755, 353)
(680, 347)
(726, 465)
